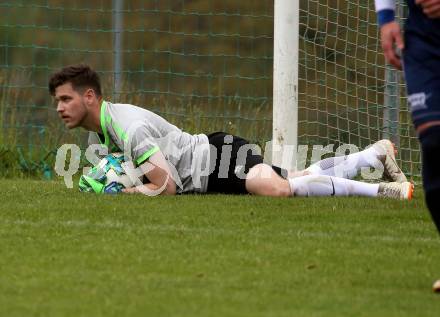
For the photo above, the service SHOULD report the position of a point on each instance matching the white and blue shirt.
(417, 21)
(385, 11)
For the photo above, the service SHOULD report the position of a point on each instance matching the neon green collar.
(103, 126)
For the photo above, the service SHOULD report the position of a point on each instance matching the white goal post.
(285, 83)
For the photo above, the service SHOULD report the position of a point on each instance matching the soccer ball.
(107, 177)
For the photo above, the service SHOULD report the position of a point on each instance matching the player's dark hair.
(80, 76)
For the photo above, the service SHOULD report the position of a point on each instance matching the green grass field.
(64, 253)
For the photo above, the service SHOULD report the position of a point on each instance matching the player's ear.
(89, 96)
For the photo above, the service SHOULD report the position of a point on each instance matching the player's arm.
(390, 33)
(157, 171)
(430, 7)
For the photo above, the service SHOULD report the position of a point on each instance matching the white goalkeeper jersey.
(141, 133)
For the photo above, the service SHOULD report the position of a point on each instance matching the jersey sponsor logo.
(417, 101)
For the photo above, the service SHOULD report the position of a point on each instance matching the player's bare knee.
(276, 190)
(268, 187)
(262, 180)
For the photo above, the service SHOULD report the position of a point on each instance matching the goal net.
(205, 65)
(346, 93)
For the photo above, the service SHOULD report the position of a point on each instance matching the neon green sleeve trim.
(146, 155)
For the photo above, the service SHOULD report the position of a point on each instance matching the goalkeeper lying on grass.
(176, 162)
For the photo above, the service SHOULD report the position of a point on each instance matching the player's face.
(70, 106)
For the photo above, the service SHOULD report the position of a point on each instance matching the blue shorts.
(421, 60)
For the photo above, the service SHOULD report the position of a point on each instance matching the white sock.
(323, 185)
(347, 166)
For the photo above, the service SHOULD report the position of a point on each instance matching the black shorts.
(234, 158)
